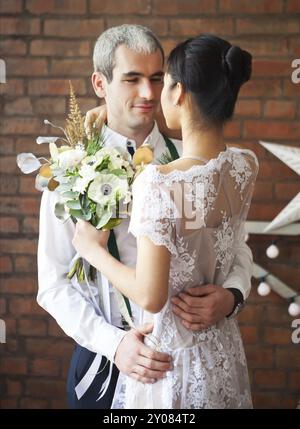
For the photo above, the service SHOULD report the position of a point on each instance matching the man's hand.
(202, 306)
(140, 362)
(95, 118)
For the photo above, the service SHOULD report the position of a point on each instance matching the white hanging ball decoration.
(294, 309)
(263, 289)
(272, 251)
(246, 237)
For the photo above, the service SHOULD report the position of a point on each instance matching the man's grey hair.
(136, 37)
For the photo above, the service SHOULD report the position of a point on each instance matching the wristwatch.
(238, 302)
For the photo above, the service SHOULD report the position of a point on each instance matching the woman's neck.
(206, 143)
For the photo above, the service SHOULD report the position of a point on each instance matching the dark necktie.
(130, 149)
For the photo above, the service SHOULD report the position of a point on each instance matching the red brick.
(13, 366)
(8, 165)
(25, 264)
(263, 212)
(25, 306)
(87, 103)
(30, 224)
(20, 26)
(9, 224)
(291, 89)
(21, 126)
(49, 348)
(7, 146)
(286, 191)
(267, 400)
(260, 47)
(12, 47)
(253, 7)
(45, 105)
(261, 357)
(74, 28)
(58, 404)
(32, 327)
(10, 6)
(60, 48)
(277, 336)
(249, 334)
(26, 67)
(8, 184)
(11, 326)
(118, 7)
(270, 379)
(27, 186)
(280, 109)
(272, 129)
(251, 315)
(33, 403)
(190, 27)
(270, 169)
(288, 357)
(19, 246)
(232, 129)
(73, 7)
(272, 68)
(11, 346)
(16, 205)
(264, 26)
(19, 106)
(263, 191)
(294, 45)
(54, 329)
(45, 388)
(8, 403)
(14, 387)
(261, 88)
(250, 108)
(12, 87)
(2, 306)
(158, 25)
(293, 6)
(5, 264)
(55, 87)
(294, 380)
(178, 7)
(74, 67)
(48, 367)
(28, 144)
(17, 285)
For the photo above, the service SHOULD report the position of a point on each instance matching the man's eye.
(131, 80)
(157, 80)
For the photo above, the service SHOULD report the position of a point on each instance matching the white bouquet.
(93, 181)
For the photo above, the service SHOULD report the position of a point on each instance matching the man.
(128, 71)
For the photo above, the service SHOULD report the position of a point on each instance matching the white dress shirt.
(76, 315)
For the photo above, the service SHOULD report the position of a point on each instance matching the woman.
(188, 216)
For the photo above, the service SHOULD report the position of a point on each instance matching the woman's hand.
(95, 118)
(87, 238)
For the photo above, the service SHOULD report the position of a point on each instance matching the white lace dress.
(199, 215)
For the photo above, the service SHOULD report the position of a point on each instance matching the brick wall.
(45, 43)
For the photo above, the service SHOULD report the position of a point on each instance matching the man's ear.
(99, 82)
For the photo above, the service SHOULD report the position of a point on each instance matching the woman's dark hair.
(212, 70)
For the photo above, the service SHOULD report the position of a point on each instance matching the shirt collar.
(111, 137)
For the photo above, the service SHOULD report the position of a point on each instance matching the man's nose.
(146, 90)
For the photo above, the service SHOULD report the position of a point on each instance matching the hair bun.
(238, 63)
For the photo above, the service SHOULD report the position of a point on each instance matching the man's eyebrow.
(137, 74)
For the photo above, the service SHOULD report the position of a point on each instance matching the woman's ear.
(99, 82)
(178, 94)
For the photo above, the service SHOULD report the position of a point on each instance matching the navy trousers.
(80, 363)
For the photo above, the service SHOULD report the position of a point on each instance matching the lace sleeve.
(152, 213)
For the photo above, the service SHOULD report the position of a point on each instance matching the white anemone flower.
(71, 158)
(105, 188)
